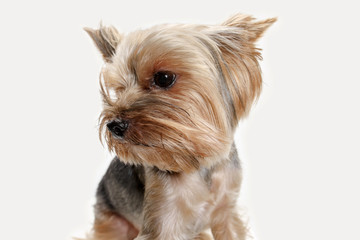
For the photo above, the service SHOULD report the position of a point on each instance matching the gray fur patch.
(121, 190)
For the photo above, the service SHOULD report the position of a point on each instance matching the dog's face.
(173, 94)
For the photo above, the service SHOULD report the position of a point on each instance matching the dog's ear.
(251, 30)
(238, 60)
(106, 39)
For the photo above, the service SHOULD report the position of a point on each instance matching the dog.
(172, 98)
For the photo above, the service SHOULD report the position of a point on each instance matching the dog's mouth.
(163, 143)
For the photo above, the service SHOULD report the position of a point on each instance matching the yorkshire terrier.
(173, 96)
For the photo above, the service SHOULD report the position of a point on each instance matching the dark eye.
(164, 79)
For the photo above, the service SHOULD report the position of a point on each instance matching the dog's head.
(173, 94)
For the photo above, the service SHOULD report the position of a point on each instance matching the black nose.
(117, 127)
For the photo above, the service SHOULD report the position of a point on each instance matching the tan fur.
(112, 227)
(225, 223)
(183, 135)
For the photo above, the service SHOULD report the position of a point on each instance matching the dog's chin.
(148, 154)
(156, 155)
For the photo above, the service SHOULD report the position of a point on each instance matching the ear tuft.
(254, 29)
(106, 40)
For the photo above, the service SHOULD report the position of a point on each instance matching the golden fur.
(183, 135)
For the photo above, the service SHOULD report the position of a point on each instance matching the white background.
(299, 146)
